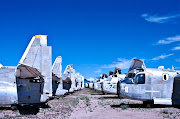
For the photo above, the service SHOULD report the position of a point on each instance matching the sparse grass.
(165, 111)
(6, 116)
(91, 110)
(86, 99)
(124, 106)
(75, 102)
(82, 98)
(101, 98)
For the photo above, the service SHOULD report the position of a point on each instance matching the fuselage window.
(165, 77)
(131, 75)
(140, 79)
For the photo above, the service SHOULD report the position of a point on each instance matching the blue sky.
(94, 35)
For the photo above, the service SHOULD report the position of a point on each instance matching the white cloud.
(161, 57)
(176, 48)
(122, 64)
(90, 79)
(98, 71)
(169, 40)
(158, 19)
(1, 65)
(178, 60)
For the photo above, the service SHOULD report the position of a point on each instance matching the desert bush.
(124, 106)
(165, 111)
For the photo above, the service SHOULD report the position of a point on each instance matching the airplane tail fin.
(110, 73)
(68, 67)
(117, 70)
(38, 55)
(70, 72)
(57, 67)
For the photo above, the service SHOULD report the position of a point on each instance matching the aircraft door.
(29, 90)
(138, 89)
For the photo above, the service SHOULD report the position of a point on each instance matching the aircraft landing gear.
(148, 103)
(118, 89)
(102, 88)
(14, 107)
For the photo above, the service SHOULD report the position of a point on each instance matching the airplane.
(86, 85)
(150, 85)
(57, 84)
(30, 82)
(90, 83)
(79, 81)
(110, 85)
(68, 78)
(98, 83)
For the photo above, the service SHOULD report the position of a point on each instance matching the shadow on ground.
(5, 108)
(142, 106)
(31, 109)
(110, 97)
(26, 109)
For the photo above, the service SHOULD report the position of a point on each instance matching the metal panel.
(57, 67)
(46, 63)
(8, 89)
(29, 90)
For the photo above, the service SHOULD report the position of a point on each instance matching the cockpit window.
(127, 81)
(131, 75)
(115, 75)
(139, 79)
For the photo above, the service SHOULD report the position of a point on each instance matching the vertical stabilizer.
(70, 73)
(38, 55)
(57, 71)
(57, 67)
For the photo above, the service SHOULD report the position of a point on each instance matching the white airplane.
(110, 85)
(79, 81)
(68, 78)
(151, 85)
(98, 83)
(90, 83)
(30, 82)
(57, 77)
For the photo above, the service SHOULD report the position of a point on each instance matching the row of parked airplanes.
(34, 80)
(150, 85)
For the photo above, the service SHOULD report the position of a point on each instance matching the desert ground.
(90, 104)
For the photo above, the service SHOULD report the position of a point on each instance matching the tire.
(102, 88)
(118, 89)
(14, 107)
(148, 103)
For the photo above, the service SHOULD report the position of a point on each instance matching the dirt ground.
(90, 104)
